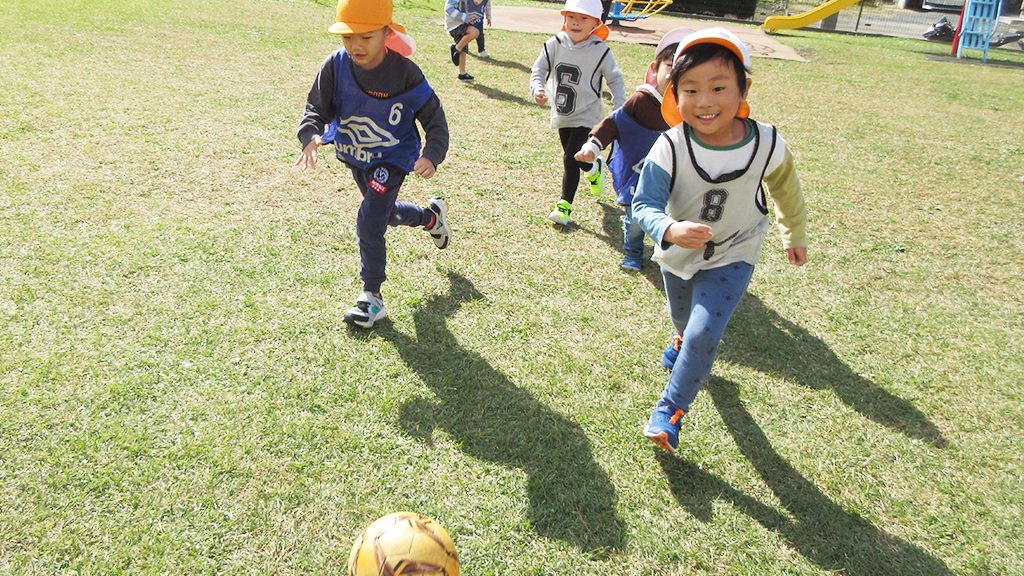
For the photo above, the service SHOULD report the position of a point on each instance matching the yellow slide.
(807, 18)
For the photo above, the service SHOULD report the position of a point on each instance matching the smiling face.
(709, 98)
(367, 49)
(579, 26)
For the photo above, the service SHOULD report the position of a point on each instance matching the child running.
(701, 198)
(575, 62)
(372, 93)
(464, 20)
(632, 131)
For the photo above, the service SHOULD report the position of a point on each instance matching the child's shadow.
(822, 531)
(612, 234)
(761, 339)
(490, 418)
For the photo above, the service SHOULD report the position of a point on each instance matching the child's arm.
(435, 129)
(451, 8)
(650, 200)
(603, 133)
(616, 83)
(784, 187)
(538, 76)
(319, 112)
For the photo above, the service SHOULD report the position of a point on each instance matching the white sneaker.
(368, 309)
(484, 54)
(440, 231)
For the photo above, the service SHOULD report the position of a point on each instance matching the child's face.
(367, 49)
(709, 98)
(579, 26)
(663, 73)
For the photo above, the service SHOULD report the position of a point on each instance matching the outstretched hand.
(307, 158)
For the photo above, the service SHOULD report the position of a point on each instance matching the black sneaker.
(465, 77)
(455, 54)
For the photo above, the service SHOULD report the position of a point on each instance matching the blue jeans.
(381, 208)
(632, 236)
(700, 308)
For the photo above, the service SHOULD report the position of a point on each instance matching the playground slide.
(807, 18)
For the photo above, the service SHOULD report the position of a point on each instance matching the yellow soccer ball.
(404, 543)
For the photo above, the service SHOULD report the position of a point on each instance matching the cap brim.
(353, 28)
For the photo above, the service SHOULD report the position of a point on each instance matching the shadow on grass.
(822, 531)
(612, 234)
(761, 339)
(570, 496)
(499, 95)
(507, 64)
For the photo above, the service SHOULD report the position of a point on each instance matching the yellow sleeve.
(784, 187)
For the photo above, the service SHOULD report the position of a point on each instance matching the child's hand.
(308, 156)
(584, 156)
(797, 256)
(424, 167)
(688, 234)
(541, 98)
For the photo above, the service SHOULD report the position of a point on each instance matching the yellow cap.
(362, 16)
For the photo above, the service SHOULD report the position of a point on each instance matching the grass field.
(179, 394)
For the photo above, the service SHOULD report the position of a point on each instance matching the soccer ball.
(404, 543)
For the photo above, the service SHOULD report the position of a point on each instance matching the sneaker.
(560, 215)
(440, 231)
(484, 54)
(631, 264)
(368, 309)
(465, 77)
(597, 178)
(668, 357)
(663, 427)
(455, 54)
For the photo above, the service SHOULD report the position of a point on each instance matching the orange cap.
(362, 16)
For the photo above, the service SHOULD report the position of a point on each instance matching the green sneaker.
(560, 215)
(597, 178)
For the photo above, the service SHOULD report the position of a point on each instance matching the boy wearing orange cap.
(573, 64)
(370, 95)
(701, 198)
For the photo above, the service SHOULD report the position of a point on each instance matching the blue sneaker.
(631, 264)
(668, 357)
(663, 428)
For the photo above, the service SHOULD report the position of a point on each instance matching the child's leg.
(379, 209)
(572, 140)
(470, 34)
(632, 236)
(480, 37)
(700, 308)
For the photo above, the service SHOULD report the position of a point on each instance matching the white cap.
(671, 37)
(591, 8)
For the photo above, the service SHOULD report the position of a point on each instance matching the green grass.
(179, 395)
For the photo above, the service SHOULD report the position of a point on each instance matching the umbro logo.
(365, 133)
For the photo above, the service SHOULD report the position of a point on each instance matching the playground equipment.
(635, 9)
(978, 25)
(773, 23)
